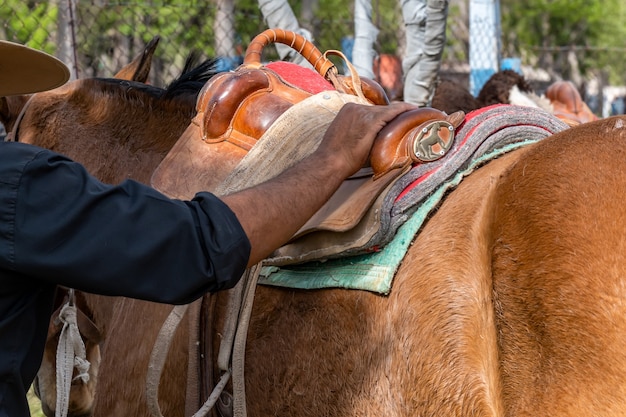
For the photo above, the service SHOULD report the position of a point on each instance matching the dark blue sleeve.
(59, 224)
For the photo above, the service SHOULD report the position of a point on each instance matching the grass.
(34, 404)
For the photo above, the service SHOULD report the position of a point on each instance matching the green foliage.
(116, 29)
(110, 33)
(544, 30)
(30, 24)
(178, 23)
(387, 16)
(456, 50)
(333, 20)
(248, 20)
(35, 404)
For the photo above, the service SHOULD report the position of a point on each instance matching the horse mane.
(178, 98)
(193, 77)
(185, 88)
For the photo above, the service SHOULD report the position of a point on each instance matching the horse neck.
(135, 118)
(115, 134)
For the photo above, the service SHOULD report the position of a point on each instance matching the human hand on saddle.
(349, 138)
(271, 212)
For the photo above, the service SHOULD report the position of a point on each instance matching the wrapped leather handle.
(416, 136)
(322, 65)
(354, 84)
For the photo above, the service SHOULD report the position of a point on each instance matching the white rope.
(70, 354)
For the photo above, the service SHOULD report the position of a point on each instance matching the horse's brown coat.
(450, 96)
(342, 352)
(559, 258)
(136, 70)
(509, 303)
(106, 156)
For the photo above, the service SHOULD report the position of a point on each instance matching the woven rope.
(70, 354)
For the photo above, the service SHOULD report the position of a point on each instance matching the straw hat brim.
(24, 70)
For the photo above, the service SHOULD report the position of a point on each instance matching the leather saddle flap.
(328, 234)
(348, 205)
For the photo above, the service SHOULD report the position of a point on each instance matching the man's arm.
(271, 212)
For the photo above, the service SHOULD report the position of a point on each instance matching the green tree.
(30, 23)
(572, 37)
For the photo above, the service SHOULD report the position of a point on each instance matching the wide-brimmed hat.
(24, 70)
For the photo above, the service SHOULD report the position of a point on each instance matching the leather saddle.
(237, 110)
(567, 103)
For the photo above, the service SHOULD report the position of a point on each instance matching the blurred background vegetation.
(35, 405)
(570, 39)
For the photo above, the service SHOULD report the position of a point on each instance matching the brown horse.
(507, 304)
(63, 120)
(494, 310)
(510, 302)
(136, 70)
(101, 307)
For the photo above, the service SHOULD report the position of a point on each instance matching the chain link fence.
(98, 37)
(105, 35)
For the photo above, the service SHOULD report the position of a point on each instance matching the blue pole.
(484, 56)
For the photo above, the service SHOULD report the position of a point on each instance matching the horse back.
(428, 348)
(558, 258)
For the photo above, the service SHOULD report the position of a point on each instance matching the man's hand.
(271, 212)
(350, 136)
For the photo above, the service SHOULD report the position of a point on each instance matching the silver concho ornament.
(432, 141)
